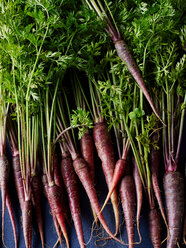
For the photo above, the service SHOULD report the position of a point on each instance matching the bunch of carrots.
(73, 93)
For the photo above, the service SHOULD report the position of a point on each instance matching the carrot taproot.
(36, 201)
(18, 179)
(55, 200)
(27, 222)
(11, 214)
(87, 151)
(139, 194)
(82, 170)
(155, 227)
(173, 184)
(127, 194)
(155, 162)
(4, 176)
(119, 171)
(105, 152)
(59, 182)
(125, 55)
(45, 185)
(71, 185)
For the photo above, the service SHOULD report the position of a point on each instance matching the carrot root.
(36, 200)
(127, 194)
(105, 150)
(4, 175)
(81, 169)
(70, 181)
(55, 200)
(139, 195)
(10, 210)
(155, 228)
(27, 223)
(174, 198)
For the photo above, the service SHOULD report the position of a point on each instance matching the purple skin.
(128, 200)
(155, 228)
(174, 198)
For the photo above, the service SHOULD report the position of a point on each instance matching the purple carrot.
(155, 162)
(87, 151)
(45, 185)
(174, 198)
(10, 210)
(127, 194)
(36, 200)
(105, 150)
(27, 222)
(71, 185)
(18, 179)
(155, 228)
(4, 175)
(139, 194)
(82, 170)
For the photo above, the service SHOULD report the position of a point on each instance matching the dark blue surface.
(50, 234)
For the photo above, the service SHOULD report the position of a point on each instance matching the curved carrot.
(105, 152)
(119, 171)
(82, 170)
(71, 185)
(174, 198)
(124, 53)
(4, 175)
(127, 194)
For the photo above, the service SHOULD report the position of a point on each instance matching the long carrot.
(82, 170)
(10, 210)
(71, 185)
(174, 198)
(45, 185)
(155, 161)
(55, 201)
(127, 194)
(154, 225)
(36, 200)
(4, 175)
(139, 194)
(18, 178)
(105, 151)
(27, 222)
